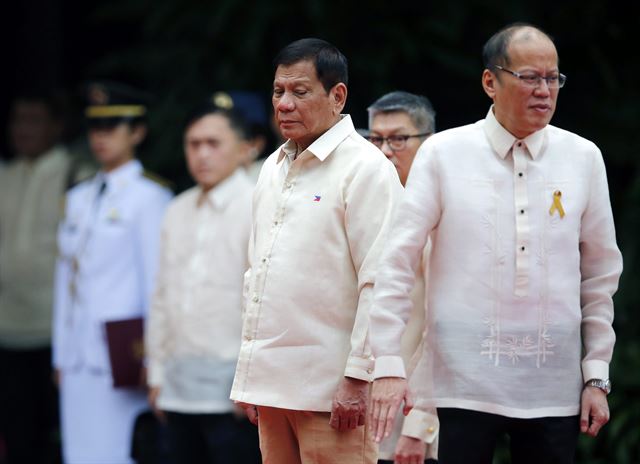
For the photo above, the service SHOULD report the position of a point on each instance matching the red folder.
(126, 351)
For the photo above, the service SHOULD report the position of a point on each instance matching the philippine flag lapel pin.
(317, 198)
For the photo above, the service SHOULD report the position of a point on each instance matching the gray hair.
(418, 108)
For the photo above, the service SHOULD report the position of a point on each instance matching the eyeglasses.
(554, 81)
(395, 142)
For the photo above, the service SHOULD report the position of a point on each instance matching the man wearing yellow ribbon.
(523, 267)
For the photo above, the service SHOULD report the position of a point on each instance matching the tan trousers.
(301, 437)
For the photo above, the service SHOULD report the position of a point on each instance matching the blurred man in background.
(398, 123)
(32, 189)
(194, 328)
(108, 244)
(253, 109)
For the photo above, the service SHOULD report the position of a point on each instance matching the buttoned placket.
(197, 261)
(521, 203)
(89, 222)
(261, 268)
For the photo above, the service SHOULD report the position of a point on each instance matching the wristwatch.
(604, 385)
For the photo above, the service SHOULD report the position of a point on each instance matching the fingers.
(383, 423)
(160, 415)
(387, 395)
(408, 458)
(57, 377)
(408, 403)
(410, 450)
(594, 411)
(342, 420)
(597, 422)
(252, 414)
(374, 413)
(585, 411)
(390, 420)
(334, 420)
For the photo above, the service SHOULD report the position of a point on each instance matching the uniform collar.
(324, 145)
(223, 193)
(120, 176)
(502, 140)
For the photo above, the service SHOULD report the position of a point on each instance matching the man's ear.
(139, 133)
(489, 81)
(338, 96)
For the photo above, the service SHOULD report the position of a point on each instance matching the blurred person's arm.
(62, 300)
(156, 324)
(147, 234)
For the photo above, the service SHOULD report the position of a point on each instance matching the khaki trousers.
(302, 437)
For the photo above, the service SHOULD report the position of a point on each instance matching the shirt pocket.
(563, 203)
(113, 228)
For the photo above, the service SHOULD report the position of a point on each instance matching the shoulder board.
(79, 178)
(153, 177)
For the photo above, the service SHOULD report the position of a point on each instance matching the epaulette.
(152, 176)
(79, 171)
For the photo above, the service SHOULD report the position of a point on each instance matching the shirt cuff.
(155, 374)
(595, 369)
(359, 368)
(389, 366)
(421, 425)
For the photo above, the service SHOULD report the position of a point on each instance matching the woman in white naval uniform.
(108, 245)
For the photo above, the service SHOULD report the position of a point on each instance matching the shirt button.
(431, 429)
(275, 223)
(247, 338)
(521, 248)
(264, 260)
(521, 211)
(519, 144)
(520, 174)
(255, 298)
(288, 185)
(369, 371)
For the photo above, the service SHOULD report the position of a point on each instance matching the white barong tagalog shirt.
(195, 322)
(319, 224)
(522, 271)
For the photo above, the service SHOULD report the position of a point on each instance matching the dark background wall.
(183, 50)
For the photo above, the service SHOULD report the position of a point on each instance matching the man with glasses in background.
(523, 268)
(398, 123)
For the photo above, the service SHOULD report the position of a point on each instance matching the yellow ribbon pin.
(557, 204)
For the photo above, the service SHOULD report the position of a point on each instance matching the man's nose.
(285, 103)
(543, 87)
(203, 152)
(386, 149)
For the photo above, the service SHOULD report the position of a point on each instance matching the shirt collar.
(220, 195)
(502, 140)
(324, 145)
(50, 157)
